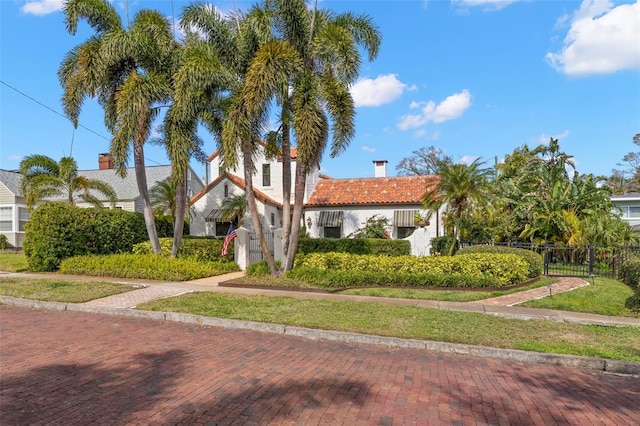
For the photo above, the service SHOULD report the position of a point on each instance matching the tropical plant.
(233, 209)
(163, 199)
(128, 70)
(459, 189)
(44, 178)
(374, 227)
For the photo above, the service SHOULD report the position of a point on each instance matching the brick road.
(75, 368)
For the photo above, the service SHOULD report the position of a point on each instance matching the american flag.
(231, 234)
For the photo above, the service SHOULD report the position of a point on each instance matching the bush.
(535, 261)
(260, 269)
(4, 242)
(633, 303)
(56, 231)
(630, 273)
(442, 245)
(145, 266)
(502, 269)
(197, 248)
(383, 247)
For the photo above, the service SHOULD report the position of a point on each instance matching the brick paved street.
(74, 368)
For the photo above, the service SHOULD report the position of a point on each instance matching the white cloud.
(602, 39)
(544, 139)
(419, 133)
(42, 7)
(468, 159)
(383, 89)
(487, 4)
(435, 135)
(366, 148)
(451, 108)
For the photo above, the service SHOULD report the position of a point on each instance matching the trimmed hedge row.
(535, 261)
(630, 275)
(502, 269)
(56, 231)
(379, 246)
(152, 267)
(197, 248)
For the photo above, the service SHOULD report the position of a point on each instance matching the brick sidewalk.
(564, 284)
(63, 367)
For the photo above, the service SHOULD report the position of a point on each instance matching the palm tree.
(233, 209)
(307, 72)
(460, 187)
(128, 71)
(163, 199)
(43, 177)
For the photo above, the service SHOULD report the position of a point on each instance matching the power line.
(52, 110)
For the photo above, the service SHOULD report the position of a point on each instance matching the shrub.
(630, 273)
(56, 231)
(197, 248)
(383, 247)
(535, 261)
(633, 302)
(145, 266)
(442, 245)
(260, 269)
(4, 242)
(502, 269)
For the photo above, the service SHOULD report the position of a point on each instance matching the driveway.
(64, 368)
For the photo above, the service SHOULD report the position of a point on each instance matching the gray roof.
(12, 181)
(127, 188)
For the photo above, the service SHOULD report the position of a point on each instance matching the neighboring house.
(628, 207)
(13, 208)
(333, 208)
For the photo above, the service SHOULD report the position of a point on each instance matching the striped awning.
(404, 218)
(330, 219)
(214, 216)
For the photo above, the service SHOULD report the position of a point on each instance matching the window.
(23, 217)
(273, 219)
(405, 231)
(266, 175)
(222, 228)
(634, 211)
(331, 232)
(6, 218)
(226, 190)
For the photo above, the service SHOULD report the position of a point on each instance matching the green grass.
(60, 291)
(13, 262)
(603, 296)
(621, 343)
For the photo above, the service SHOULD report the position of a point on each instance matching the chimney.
(104, 161)
(380, 168)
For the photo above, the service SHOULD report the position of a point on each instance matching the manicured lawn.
(603, 296)
(60, 291)
(13, 262)
(414, 323)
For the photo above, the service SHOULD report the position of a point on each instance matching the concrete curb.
(588, 363)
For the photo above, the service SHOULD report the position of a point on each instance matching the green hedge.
(330, 278)
(535, 261)
(198, 248)
(152, 267)
(442, 245)
(377, 246)
(630, 273)
(56, 231)
(502, 269)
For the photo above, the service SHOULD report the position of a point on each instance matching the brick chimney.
(380, 168)
(104, 161)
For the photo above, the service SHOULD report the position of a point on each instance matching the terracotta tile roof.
(370, 191)
(240, 183)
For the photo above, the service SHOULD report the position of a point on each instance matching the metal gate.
(255, 252)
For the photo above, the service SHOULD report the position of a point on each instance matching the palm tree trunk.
(181, 207)
(253, 207)
(301, 180)
(147, 211)
(286, 188)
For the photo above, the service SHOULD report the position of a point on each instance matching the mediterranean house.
(13, 209)
(333, 208)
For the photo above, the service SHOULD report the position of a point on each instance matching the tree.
(460, 188)
(424, 161)
(163, 199)
(233, 209)
(43, 177)
(129, 72)
(307, 72)
(619, 182)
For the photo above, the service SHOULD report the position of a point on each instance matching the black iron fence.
(578, 261)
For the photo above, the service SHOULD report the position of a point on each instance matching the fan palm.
(43, 177)
(233, 209)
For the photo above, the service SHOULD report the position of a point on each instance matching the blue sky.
(477, 78)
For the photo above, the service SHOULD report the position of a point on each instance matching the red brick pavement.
(75, 368)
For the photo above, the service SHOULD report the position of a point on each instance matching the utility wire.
(52, 110)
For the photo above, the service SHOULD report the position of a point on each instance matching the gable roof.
(240, 183)
(127, 188)
(370, 191)
(11, 180)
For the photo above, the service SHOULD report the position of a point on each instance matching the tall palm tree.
(460, 187)
(43, 177)
(307, 72)
(128, 70)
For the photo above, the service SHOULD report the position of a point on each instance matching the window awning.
(214, 216)
(404, 218)
(330, 219)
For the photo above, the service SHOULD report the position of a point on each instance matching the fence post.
(592, 259)
(546, 259)
(241, 248)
